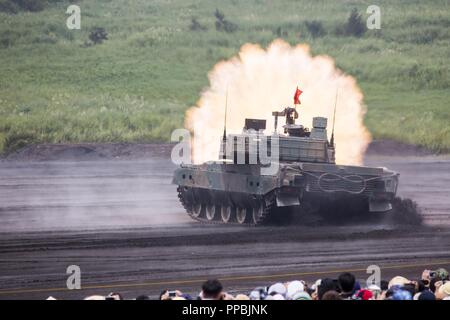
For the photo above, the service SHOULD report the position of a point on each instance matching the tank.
(261, 177)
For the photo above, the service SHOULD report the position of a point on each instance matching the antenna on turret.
(225, 120)
(334, 119)
(224, 139)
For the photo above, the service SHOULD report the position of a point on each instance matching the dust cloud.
(260, 81)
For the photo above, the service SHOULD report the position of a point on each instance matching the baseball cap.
(294, 287)
(277, 288)
(445, 289)
(301, 295)
(398, 281)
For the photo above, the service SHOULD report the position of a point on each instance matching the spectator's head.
(301, 295)
(384, 285)
(143, 297)
(331, 295)
(114, 296)
(433, 284)
(185, 296)
(363, 294)
(398, 281)
(441, 274)
(277, 288)
(325, 286)
(278, 297)
(95, 297)
(443, 291)
(346, 282)
(294, 287)
(211, 290)
(163, 294)
(259, 293)
(401, 294)
(398, 293)
(422, 285)
(426, 295)
(410, 287)
(226, 296)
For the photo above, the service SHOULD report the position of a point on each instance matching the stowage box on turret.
(258, 174)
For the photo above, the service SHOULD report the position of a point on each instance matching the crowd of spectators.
(432, 285)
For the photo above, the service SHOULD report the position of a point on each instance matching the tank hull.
(235, 193)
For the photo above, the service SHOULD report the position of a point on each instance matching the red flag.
(297, 94)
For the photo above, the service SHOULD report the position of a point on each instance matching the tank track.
(267, 205)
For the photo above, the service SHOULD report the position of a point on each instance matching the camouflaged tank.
(297, 171)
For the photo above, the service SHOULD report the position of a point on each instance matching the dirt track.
(117, 217)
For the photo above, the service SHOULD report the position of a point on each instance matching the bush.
(16, 141)
(196, 26)
(223, 24)
(354, 26)
(315, 28)
(14, 6)
(8, 38)
(281, 33)
(31, 5)
(2, 142)
(424, 36)
(98, 35)
(8, 6)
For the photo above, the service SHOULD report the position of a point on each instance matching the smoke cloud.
(260, 81)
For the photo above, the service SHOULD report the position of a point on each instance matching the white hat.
(254, 295)
(398, 281)
(95, 297)
(277, 288)
(294, 287)
(301, 295)
(373, 287)
(278, 297)
(444, 290)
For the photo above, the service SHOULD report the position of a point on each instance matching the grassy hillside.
(136, 85)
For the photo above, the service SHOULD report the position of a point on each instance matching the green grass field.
(136, 85)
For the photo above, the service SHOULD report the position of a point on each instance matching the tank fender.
(286, 200)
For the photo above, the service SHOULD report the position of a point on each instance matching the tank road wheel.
(211, 212)
(241, 215)
(226, 213)
(197, 210)
(258, 214)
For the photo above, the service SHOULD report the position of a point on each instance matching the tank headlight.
(390, 184)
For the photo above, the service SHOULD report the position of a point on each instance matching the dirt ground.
(111, 209)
